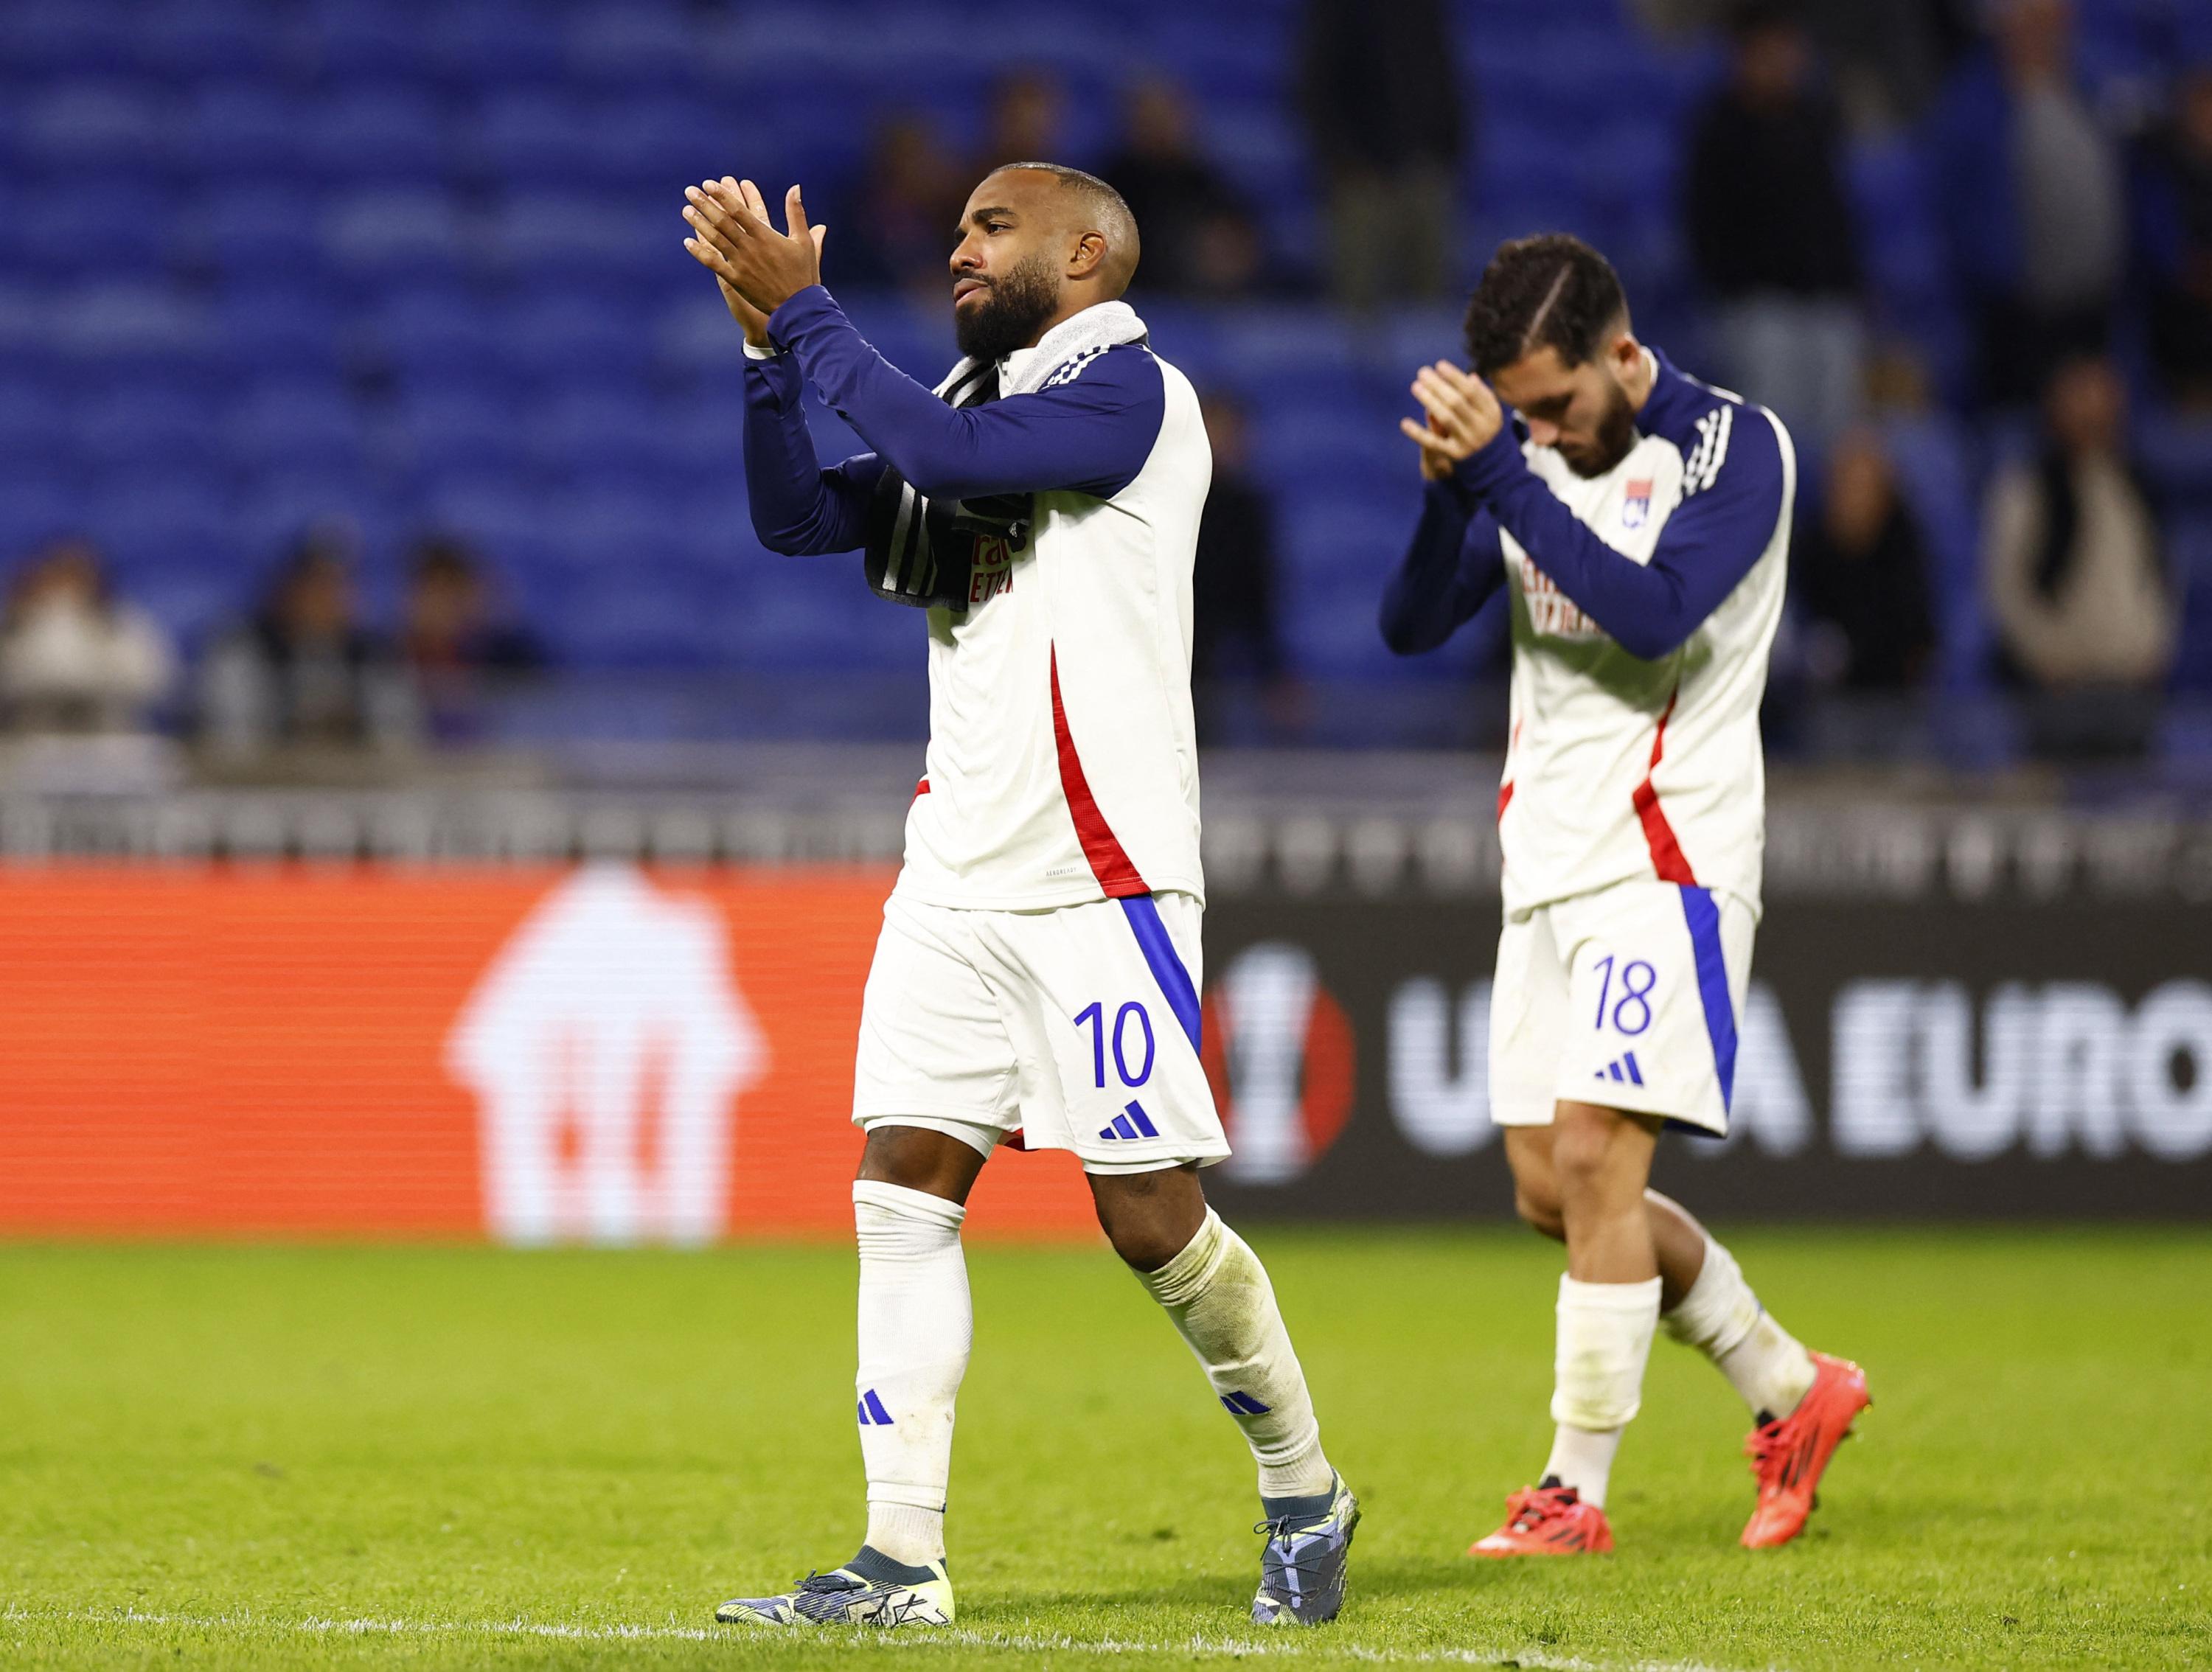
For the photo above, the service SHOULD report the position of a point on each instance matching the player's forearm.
(1644, 607)
(1431, 595)
(799, 509)
(930, 444)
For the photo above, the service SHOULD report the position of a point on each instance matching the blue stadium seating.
(420, 266)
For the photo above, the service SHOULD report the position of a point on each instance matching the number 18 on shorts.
(1627, 998)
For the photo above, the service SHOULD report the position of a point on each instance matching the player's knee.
(1539, 1209)
(1583, 1155)
(1150, 1217)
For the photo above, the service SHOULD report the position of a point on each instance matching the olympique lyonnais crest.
(1636, 509)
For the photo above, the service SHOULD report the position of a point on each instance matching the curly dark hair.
(1550, 291)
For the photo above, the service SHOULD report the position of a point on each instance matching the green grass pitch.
(460, 1457)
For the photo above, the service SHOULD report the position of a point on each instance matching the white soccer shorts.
(1626, 998)
(1078, 1027)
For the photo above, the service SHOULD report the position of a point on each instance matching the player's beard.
(1616, 433)
(1014, 309)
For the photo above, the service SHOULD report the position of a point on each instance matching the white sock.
(1217, 1292)
(1723, 1319)
(916, 1327)
(1605, 1339)
(1583, 1458)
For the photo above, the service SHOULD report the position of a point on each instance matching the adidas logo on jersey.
(1131, 1122)
(872, 1414)
(1622, 1070)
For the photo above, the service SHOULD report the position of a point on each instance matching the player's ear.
(1087, 255)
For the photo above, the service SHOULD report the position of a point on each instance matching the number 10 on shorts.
(1124, 1038)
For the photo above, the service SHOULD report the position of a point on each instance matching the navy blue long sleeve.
(1454, 567)
(1090, 433)
(1735, 479)
(799, 508)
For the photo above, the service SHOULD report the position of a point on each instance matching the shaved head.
(1088, 203)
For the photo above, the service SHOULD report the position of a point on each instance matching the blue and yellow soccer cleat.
(871, 1589)
(1302, 1569)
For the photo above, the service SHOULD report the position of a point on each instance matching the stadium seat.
(476, 44)
(440, 334)
(128, 320)
(242, 134)
(96, 126)
(204, 37)
(267, 326)
(641, 44)
(261, 232)
(584, 335)
(65, 230)
(29, 438)
(455, 431)
(406, 233)
(146, 511)
(298, 423)
(351, 38)
(591, 435)
(47, 38)
(528, 132)
(36, 505)
(539, 233)
(377, 132)
(136, 424)
(507, 515)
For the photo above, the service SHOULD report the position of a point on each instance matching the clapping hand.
(1463, 417)
(759, 268)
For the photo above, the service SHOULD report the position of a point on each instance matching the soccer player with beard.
(1038, 971)
(1639, 520)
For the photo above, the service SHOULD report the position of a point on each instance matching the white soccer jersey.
(1063, 755)
(1618, 767)
(1062, 764)
(1634, 746)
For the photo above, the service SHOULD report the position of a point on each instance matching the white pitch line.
(918, 1642)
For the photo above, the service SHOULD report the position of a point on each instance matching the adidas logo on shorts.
(1622, 1070)
(1131, 1122)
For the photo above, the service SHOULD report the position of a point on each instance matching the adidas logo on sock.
(1131, 1122)
(1622, 1070)
(871, 1411)
(1241, 1404)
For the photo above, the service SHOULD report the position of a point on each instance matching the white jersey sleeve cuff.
(771, 352)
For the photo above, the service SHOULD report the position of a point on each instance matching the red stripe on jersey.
(1658, 834)
(1505, 798)
(922, 789)
(1109, 863)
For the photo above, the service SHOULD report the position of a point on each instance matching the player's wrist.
(1493, 465)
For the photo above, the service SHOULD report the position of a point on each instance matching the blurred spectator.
(1861, 570)
(1770, 232)
(1027, 123)
(72, 657)
(304, 669)
(455, 638)
(1199, 237)
(2075, 571)
(901, 221)
(1236, 632)
(2176, 221)
(2032, 199)
(1379, 88)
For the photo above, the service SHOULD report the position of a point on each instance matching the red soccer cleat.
(1788, 1455)
(1547, 1521)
